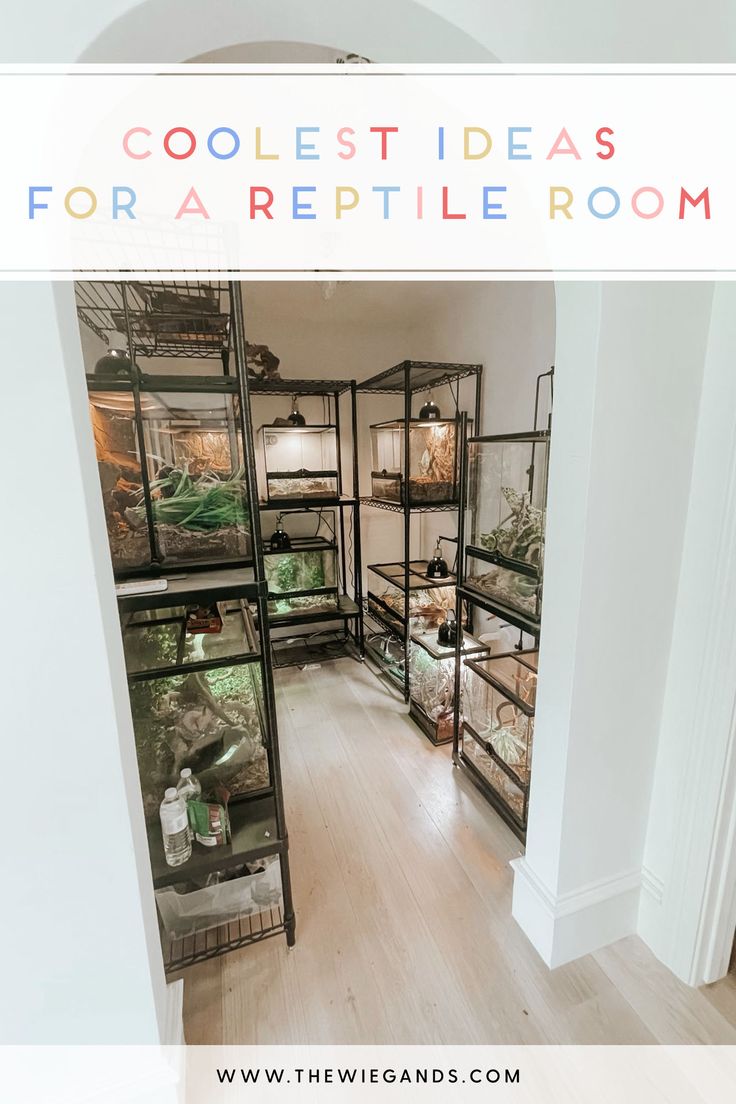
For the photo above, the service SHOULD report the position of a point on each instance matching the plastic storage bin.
(184, 914)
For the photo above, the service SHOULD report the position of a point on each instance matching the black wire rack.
(415, 508)
(423, 376)
(298, 387)
(203, 945)
(185, 319)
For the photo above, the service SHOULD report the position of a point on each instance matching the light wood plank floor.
(403, 898)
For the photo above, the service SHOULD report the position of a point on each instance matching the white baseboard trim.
(563, 928)
(650, 926)
(652, 884)
(172, 1029)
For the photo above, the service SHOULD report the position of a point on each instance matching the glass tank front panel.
(300, 461)
(121, 482)
(209, 721)
(516, 674)
(433, 688)
(511, 794)
(199, 496)
(432, 461)
(504, 585)
(508, 493)
(156, 639)
(298, 570)
(194, 464)
(427, 606)
(498, 720)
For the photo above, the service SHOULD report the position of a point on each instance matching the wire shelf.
(398, 507)
(418, 578)
(298, 387)
(423, 375)
(186, 319)
(180, 953)
(312, 648)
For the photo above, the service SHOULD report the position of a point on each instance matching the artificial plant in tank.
(519, 535)
(204, 504)
(286, 572)
(313, 570)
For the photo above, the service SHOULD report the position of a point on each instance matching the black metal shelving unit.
(408, 379)
(481, 761)
(191, 321)
(305, 644)
(184, 321)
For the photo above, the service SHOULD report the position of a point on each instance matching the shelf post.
(269, 697)
(407, 526)
(459, 574)
(357, 551)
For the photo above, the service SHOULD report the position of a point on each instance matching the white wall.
(688, 905)
(622, 452)
(355, 334)
(509, 328)
(392, 30)
(81, 961)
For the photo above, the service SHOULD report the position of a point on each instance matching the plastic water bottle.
(189, 786)
(175, 828)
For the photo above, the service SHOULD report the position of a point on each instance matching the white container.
(175, 828)
(185, 914)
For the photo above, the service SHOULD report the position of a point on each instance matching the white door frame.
(688, 903)
(708, 855)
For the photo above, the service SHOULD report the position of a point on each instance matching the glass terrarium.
(302, 580)
(299, 462)
(507, 491)
(428, 601)
(432, 681)
(196, 700)
(498, 712)
(433, 461)
(510, 588)
(512, 797)
(193, 463)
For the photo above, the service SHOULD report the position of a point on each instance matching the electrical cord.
(351, 573)
(455, 392)
(321, 518)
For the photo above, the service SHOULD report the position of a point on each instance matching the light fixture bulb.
(280, 540)
(115, 361)
(437, 567)
(430, 412)
(295, 417)
(447, 634)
